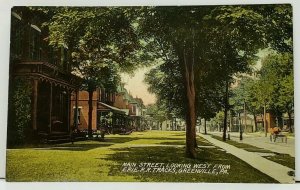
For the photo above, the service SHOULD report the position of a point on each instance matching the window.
(17, 34)
(107, 96)
(133, 108)
(53, 55)
(78, 115)
(35, 43)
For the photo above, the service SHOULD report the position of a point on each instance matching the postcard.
(151, 94)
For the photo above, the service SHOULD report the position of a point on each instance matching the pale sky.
(261, 54)
(137, 87)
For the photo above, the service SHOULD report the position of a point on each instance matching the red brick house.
(45, 73)
(119, 110)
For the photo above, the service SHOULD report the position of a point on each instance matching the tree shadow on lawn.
(284, 159)
(79, 145)
(180, 141)
(122, 139)
(179, 134)
(75, 147)
(163, 138)
(239, 171)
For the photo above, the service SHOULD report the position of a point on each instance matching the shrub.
(19, 112)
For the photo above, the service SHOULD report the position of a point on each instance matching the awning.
(105, 107)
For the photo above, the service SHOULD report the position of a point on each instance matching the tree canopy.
(101, 41)
(201, 49)
(204, 46)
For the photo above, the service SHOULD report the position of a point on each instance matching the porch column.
(50, 108)
(34, 104)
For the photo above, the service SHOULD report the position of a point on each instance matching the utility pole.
(265, 122)
(240, 127)
(245, 115)
(225, 111)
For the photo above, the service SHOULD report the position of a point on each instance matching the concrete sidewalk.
(272, 169)
(260, 141)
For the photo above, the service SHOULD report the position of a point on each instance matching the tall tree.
(244, 93)
(278, 26)
(272, 90)
(101, 42)
(276, 78)
(192, 35)
(286, 98)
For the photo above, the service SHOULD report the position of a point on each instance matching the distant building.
(238, 122)
(163, 123)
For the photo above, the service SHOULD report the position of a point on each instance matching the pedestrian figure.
(274, 131)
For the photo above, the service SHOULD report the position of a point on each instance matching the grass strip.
(283, 159)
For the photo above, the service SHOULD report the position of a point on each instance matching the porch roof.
(112, 108)
(45, 71)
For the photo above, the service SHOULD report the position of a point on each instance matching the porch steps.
(59, 137)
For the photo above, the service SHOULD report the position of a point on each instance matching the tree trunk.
(191, 108)
(90, 119)
(161, 126)
(190, 120)
(205, 132)
(225, 112)
(290, 122)
(265, 122)
(245, 116)
(255, 123)
(240, 126)
(186, 54)
(230, 121)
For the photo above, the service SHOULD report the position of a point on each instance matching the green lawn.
(102, 161)
(283, 159)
